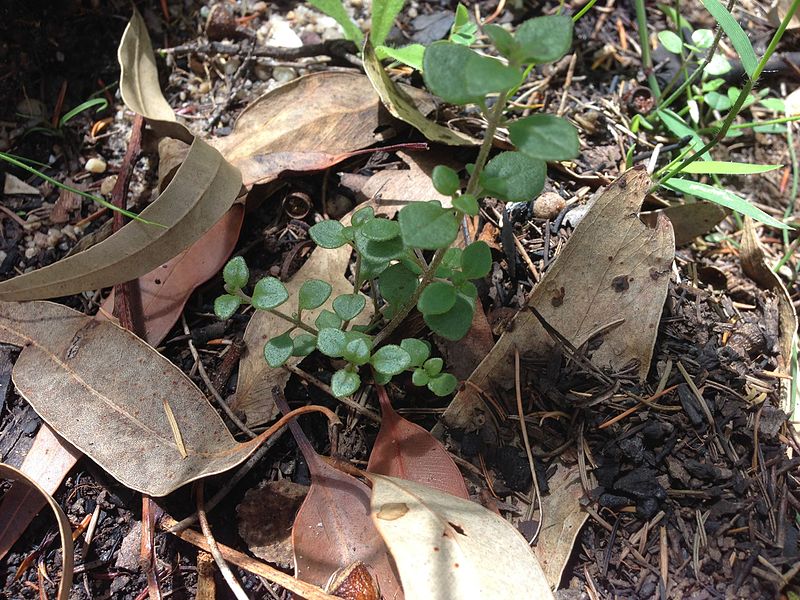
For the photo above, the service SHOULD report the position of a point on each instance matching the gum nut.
(548, 205)
(95, 165)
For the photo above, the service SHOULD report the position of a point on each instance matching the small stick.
(531, 463)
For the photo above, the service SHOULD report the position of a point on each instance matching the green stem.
(644, 42)
(277, 313)
(752, 124)
(737, 106)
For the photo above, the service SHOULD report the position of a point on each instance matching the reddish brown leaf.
(333, 528)
(406, 450)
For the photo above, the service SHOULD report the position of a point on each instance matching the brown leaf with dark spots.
(333, 528)
(404, 449)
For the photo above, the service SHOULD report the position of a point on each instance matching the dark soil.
(694, 494)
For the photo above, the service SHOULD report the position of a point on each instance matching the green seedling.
(410, 263)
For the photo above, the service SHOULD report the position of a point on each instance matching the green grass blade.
(721, 167)
(676, 125)
(335, 9)
(101, 103)
(723, 198)
(383, 16)
(101, 201)
(735, 34)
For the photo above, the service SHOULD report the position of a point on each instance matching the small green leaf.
(361, 216)
(671, 42)
(719, 65)
(345, 383)
(443, 385)
(721, 167)
(331, 342)
(735, 33)
(380, 378)
(390, 360)
(545, 136)
(724, 198)
(713, 84)
(327, 319)
(410, 55)
(461, 76)
(476, 260)
(335, 9)
(703, 38)
(397, 284)
(463, 30)
(278, 350)
(774, 104)
(433, 366)
(467, 203)
(437, 298)
(514, 176)
(454, 324)
(269, 293)
(356, 351)
(349, 306)
(378, 251)
(417, 350)
(328, 234)
(226, 305)
(236, 274)
(502, 39)
(419, 377)
(717, 101)
(304, 344)
(313, 294)
(383, 16)
(428, 226)
(445, 180)
(380, 229)
(544, 39)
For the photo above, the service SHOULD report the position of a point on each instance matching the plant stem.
(493, 121)
(292, 320)
(644, 42)
(737, 106)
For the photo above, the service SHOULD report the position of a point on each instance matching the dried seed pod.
(548, 205)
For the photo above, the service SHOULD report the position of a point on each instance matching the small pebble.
(31, 252)
(107, 185)
(548, 205)
(259, 8)
(284, 74)
(95, 165)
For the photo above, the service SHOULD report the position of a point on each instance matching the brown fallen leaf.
(688, 220)
(166, 289)
(404, 449)
(332, 529)
(447, 547)
(121, 384)
(563, 518)
(308, 124)
(64, 528)
(779, 11)
(755, 267)
(401, 105)
(265, 517)
(610, 278)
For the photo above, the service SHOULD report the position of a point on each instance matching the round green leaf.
(397, 284)
(278, 350)
(226, 305)
(236, 274)
(304, 344)
(466, 203)
(437, 298)
(327, 319)
(460, 76)
(433, 366)
(345, 383)
(380, 229)
(331, 342)
(269, 293)
(382, 252)
(445, 180)
(514, 176)
(428, 226)
(543, 39)
(417, 350)
(390, 360)
(349, 306)
(501, 38)
(380, 378)
(476, 260)
(419, 377)
(717, 101)
(545, 136)
(356, 351)
(703, 38)
(454, 324)
(670, 41)
(313, 294)
(361, 216)
(443, 385)
(328, 234)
